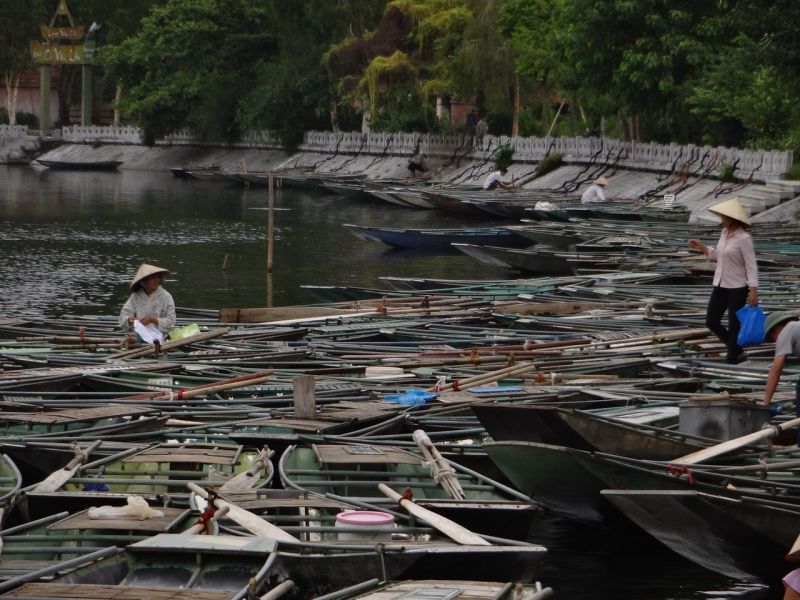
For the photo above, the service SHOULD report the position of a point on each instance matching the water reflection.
(75, 239)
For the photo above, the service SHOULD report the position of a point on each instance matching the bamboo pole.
(485, 378)
(150, 349)
(217, 386)
(736, 443)
(270, 194)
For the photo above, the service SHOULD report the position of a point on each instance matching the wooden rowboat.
(440, 239)
(353, 471)
(97, 165)
(158, 473)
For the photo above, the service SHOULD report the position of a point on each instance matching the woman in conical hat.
(735, 277)
(149, 302)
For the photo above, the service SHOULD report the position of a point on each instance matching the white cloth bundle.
(137, 508)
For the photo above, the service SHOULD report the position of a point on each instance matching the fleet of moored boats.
(461, 410)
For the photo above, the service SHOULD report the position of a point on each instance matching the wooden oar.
(442, 472)
(206, 388)
(279, 590)
(151, 349)
(488, 377)
(247, 479)
(253, 523)
(57, 479)
(456, 532)
(736, 443)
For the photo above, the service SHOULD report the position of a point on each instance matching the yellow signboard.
(57, 54)
(62, 33)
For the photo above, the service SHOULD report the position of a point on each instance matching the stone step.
(784, 192)
(757, 205)
(790, 184)
(782, 213)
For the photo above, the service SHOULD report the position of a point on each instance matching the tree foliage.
(703, 71)
(190, 56)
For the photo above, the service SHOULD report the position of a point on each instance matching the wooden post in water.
(270, 191)
(305, 399)
(270, 237)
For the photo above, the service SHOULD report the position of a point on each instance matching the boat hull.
(65, 165)
(715, 532)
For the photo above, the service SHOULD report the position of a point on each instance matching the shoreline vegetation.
(717, 74)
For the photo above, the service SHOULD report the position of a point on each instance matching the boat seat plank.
(469, 590)
(202, 453)
(254, 500)
(90, 591)
(350, 454)
(78, 414)
(163, 524)
(293, 423)
(181, 457)
(362, 405)
(353, 414)
(8, 565)
(82, 370)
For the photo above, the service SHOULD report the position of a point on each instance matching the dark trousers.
(797, 406)
(722, 299)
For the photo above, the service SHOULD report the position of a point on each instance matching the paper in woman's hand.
(148, 333)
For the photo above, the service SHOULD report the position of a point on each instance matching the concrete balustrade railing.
(762, 165)
(13, 131)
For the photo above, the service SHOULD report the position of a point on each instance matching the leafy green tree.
(751, 90)
(396, 70)
(292, 92)
(531, 28)
(189, 64)
(19, 23)
(639, 58)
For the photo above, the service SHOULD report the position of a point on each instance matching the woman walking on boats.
(735, 277)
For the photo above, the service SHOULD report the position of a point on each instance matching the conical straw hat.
(601, 181)
(773, 320)
(144, 271)
(731, 208)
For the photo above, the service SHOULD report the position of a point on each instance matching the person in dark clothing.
(735, 277)
(472, 122)
(416, 162)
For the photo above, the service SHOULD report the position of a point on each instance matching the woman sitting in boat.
(149, 303)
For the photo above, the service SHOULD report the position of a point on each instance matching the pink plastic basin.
(371, 525)
(365, 518)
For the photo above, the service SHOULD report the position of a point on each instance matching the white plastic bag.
(137, 508)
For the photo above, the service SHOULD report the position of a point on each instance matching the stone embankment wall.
(16, 143)
(635, 170)
(758, 165)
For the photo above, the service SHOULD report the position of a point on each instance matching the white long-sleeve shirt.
(159, 304)
(594, 193)
(736, 260)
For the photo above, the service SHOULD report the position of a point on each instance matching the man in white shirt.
(496, 179)
(783, 329)
(595, 191)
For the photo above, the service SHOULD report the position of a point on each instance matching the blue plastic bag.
(411, 397)
(751, 325)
